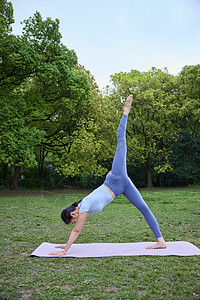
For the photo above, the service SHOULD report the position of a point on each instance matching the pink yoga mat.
(119, 249)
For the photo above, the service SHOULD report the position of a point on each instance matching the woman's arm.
(74, 234)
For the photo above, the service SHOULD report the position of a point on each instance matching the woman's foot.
(161, 244)
(127, 105)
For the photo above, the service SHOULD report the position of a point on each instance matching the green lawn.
(27, 221)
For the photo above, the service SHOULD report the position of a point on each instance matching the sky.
(112, 36)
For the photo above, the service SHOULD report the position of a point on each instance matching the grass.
(27, 221)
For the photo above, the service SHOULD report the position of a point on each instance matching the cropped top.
(96, 200)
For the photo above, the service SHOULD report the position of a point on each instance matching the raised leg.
(119, 161)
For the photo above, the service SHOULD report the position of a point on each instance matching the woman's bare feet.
(127, 105)
(161, 244)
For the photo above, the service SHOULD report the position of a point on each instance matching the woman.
(117, 182)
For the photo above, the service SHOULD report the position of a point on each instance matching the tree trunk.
(41, 164)
(69, 182)
(42, 157)
(149, 177)
(14, 185)
(4, 175)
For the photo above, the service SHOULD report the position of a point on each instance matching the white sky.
(110, 36)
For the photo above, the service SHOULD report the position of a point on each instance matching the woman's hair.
(65, 215)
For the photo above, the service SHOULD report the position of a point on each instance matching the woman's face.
(74, 215)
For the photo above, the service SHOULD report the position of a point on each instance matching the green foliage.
(185, 158)
(39, 77)
(53, 113)
(6, 16)
(91, 140)
(60, 109)
(190, 98)
(42, 35)
(152, 120)
(17, 140)
(83, 152)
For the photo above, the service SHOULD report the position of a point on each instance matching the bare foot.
(161, 244)
(127, 105)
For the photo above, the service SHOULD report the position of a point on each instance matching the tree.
(184, 146)
(185, 157)
(189, 80)
(6, 16)
(38, 75)
(17, 140)
(152, 120)
(93, 140)
(59, 98)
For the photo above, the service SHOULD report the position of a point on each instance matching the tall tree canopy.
(93, 139)
(6, 16)
(190, 98)
(42, 91)
(152, 118)
(50, 106)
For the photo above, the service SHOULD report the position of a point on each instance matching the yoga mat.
(118, 249)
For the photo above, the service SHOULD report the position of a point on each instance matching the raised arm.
(74, 234)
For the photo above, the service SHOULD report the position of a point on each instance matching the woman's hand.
(58, 253)
(73, 236)
(61, 246)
